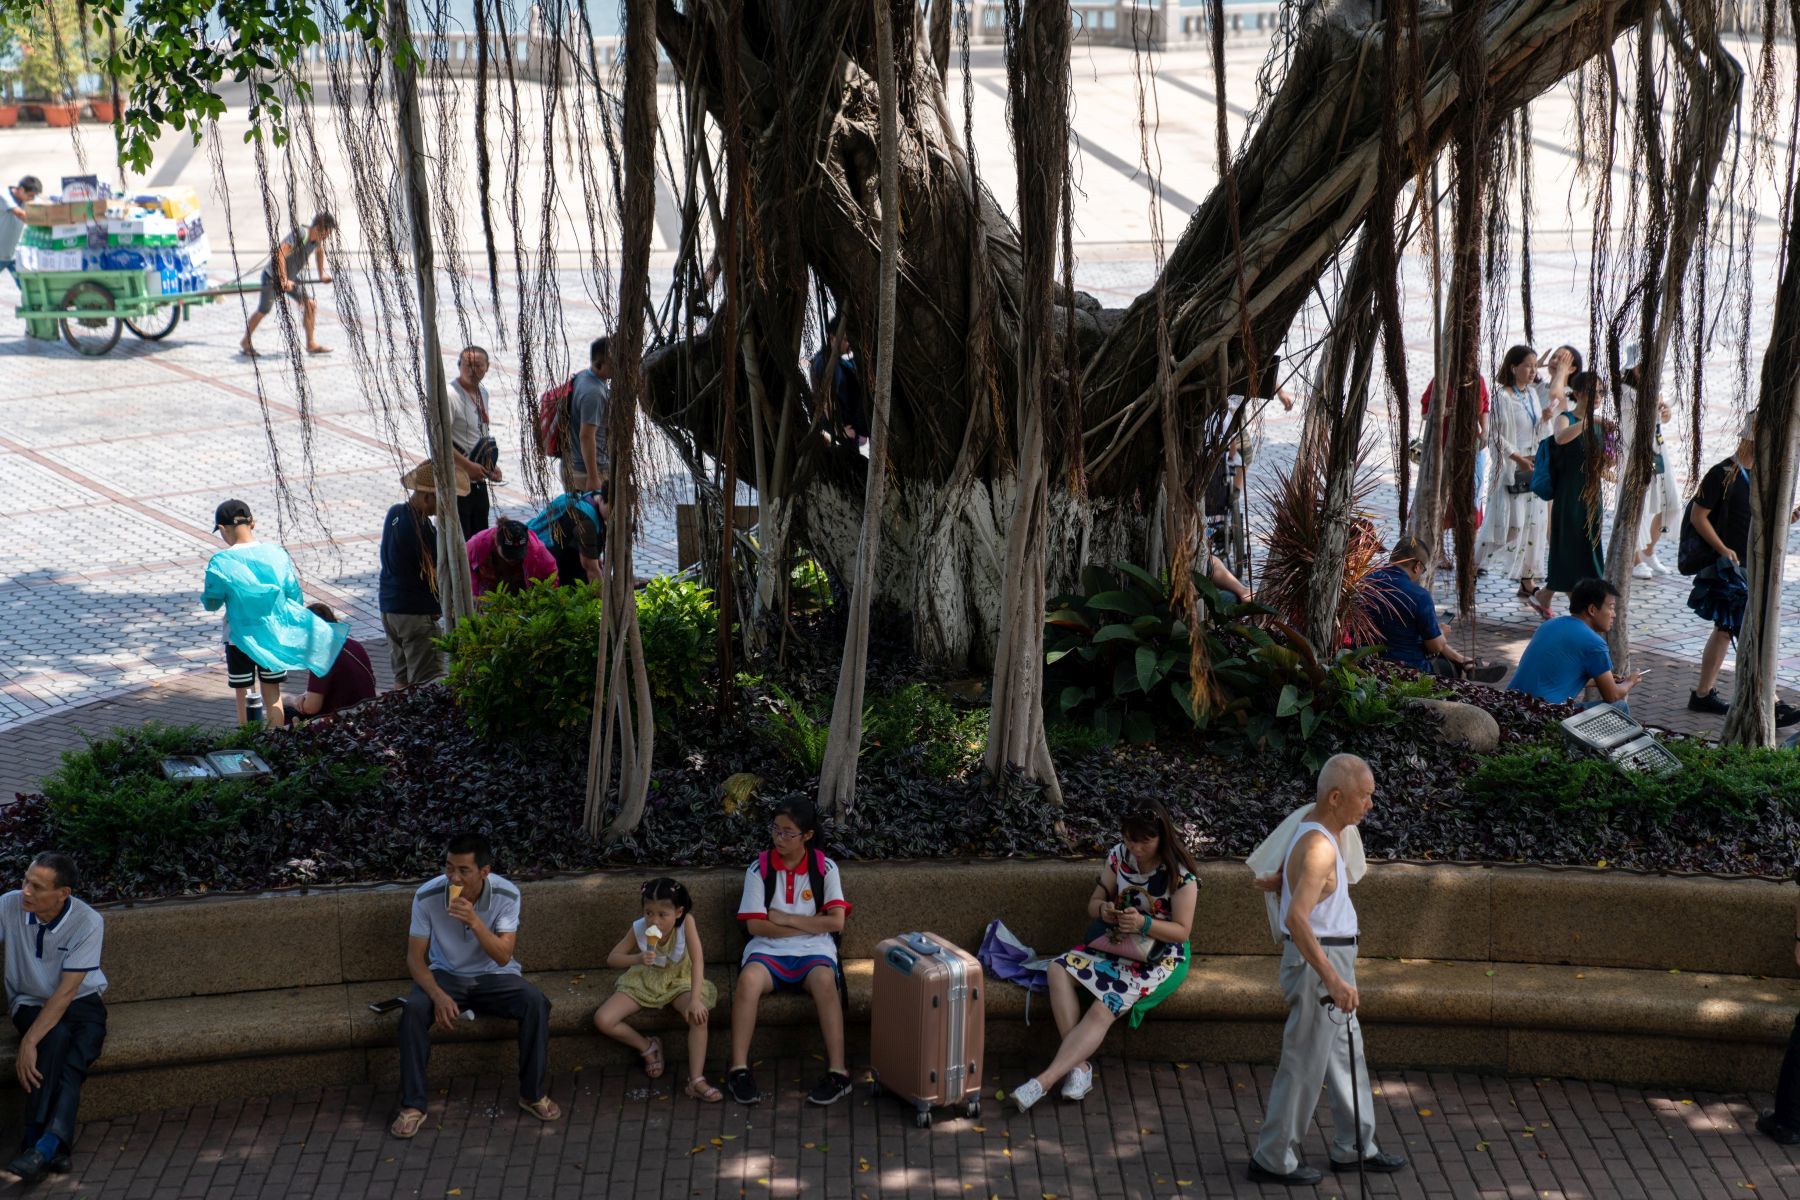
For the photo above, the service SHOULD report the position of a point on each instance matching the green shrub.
(797, 733)
(949, 740)
(110, 803)
(526, 660)
(1070, 741)
(1729, 780)
(680, 626)
(809, 588)
(1117, 653)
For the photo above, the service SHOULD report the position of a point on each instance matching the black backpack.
(1693, 554)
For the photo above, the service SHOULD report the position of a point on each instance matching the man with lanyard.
(470, 444)
(12, 220)
(1318, 980)
(279, 282)
(54, 983)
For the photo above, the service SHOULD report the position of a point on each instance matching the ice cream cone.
(456, 892)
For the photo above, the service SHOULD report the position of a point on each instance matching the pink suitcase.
(927, 1024)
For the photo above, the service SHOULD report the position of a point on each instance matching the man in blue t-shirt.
(409, 587)
(1406, 620)
(1568, 655)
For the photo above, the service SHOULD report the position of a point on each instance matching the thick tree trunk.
(1716, 81)
(622, 686)
(1306, 179)
(1038, 78)
(1751, 721)
(1342, 407)
(837, 777)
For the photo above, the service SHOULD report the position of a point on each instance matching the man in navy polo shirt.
(459, 951)
(1406, 620)
(53, 982)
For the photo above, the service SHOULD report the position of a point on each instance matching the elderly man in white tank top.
(1318, 963)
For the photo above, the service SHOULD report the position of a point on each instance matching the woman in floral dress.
(1144, 898)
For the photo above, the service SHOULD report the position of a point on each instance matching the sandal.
(407, 1123)
(543, 1110)
(699, 1089)
(653, 1058)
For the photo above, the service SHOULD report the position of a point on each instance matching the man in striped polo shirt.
(53, 983)
(460, 954)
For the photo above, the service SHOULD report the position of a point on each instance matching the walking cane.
(1362, 1162)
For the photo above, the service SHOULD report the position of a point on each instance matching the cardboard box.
(175, 202)
(56, 212)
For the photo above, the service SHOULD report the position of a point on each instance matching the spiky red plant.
(1295, 520)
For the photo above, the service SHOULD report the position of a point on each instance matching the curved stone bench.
(1627, 978)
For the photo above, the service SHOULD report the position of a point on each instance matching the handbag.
(1521, 483)
(1543, 485)
(1133, 947)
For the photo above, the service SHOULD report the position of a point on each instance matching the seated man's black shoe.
(59, 1165)
(1775, 1131)
(1785, 714)
(1380, 1163)
(1300, 1176)
(29, 1166)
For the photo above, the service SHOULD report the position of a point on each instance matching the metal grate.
(1648, 755)
(1601, 730)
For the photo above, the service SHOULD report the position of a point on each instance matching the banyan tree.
(1024, 429)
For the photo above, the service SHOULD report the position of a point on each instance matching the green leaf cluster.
(1732, 781)
(111, 804)
(1118, 655)
(526, 660)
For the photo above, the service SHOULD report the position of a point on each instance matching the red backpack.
(552, 422)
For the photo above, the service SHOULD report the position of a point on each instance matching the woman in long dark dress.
(1577, 474)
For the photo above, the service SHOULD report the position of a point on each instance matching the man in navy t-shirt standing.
(1568, 655)
(409, 587)
(1406, 619)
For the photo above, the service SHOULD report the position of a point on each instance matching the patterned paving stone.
(1161, 1130)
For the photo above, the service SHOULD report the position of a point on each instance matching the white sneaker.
(1657, 565)
(1643, 571)
(1079, 1083)
(1027, 1094)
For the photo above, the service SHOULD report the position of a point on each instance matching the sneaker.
(1643, 571)
(1027, 1094)
(1659, 567)
(1483, 672)
(832, 1088)
(1079, 1083)
(1770, 1127)
(1709, 703)
(740, 1085)
(1785, 714)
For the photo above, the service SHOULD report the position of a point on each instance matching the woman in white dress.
(1514, 529)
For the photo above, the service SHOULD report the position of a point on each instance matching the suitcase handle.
(900, 960)
(921, 944)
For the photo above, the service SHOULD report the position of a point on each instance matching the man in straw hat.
(409, 587)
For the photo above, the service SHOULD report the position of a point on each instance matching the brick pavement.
(1149, 1130)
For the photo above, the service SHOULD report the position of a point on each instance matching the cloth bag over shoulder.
(1271, 856)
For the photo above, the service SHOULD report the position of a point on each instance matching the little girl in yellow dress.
(665, 967)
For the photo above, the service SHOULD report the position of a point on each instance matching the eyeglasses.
(784, 835)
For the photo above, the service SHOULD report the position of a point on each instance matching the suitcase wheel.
(922, 1118)
(875, 1088)
(972, 1109)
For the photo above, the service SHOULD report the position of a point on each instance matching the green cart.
(92, 309)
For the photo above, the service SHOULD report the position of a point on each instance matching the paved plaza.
(1149, 1130)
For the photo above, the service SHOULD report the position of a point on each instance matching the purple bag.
(1004, 956)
